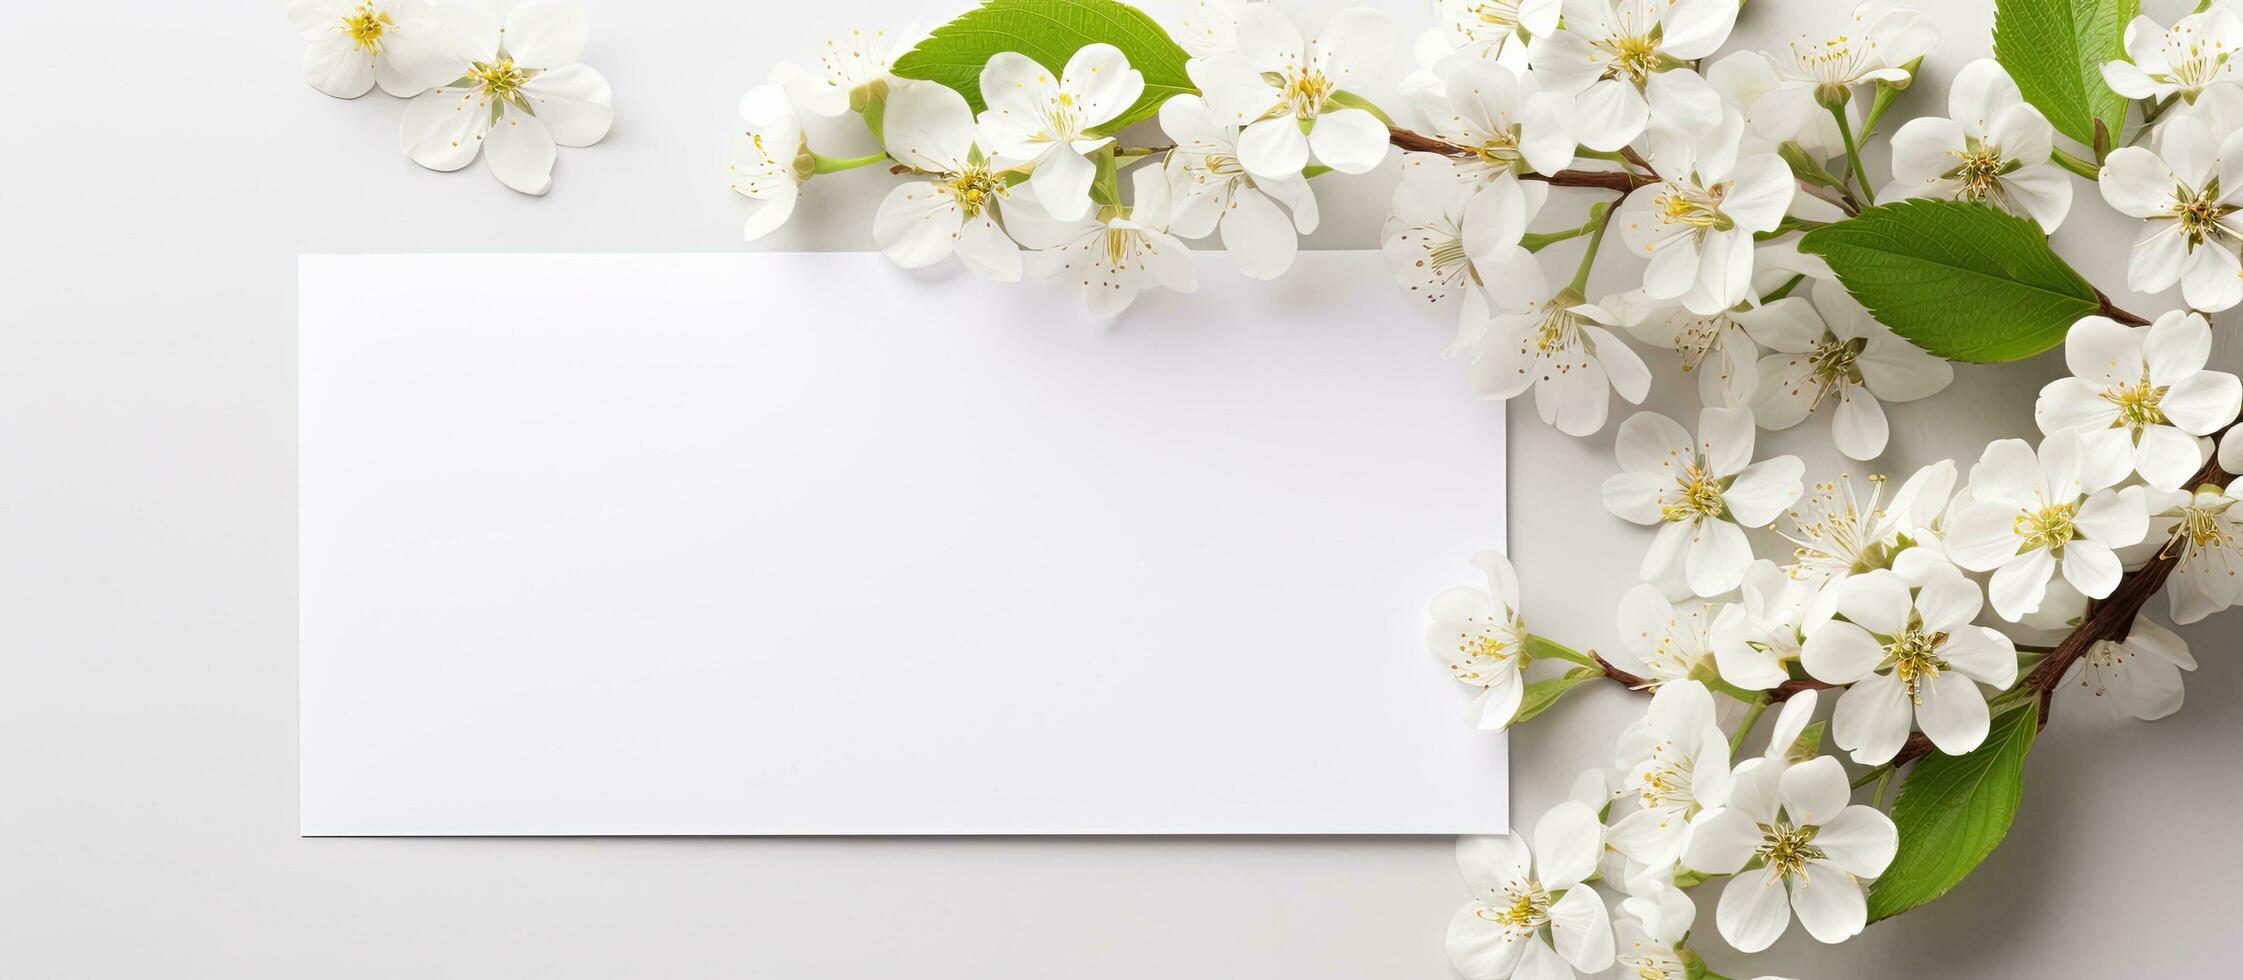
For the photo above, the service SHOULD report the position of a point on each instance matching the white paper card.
(801, 544)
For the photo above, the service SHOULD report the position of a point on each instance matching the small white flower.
(2033, 515)
(1696, 225)
(1200, 27)
(2144, 390)
(1499, 933)
(1876, 47)
(1719, 348)
(1122, 252)
(1755, 636)
(2187, 193)
(1704, 493)
(1626, 64)
(1668, 642)
(1812, 845)
(1677, 764)
(1442, 222)
(1837, 532)
(1993, 148)
(2205, 533)
(1216, 193)
(1650, 930)
(1508, 122)
(1046, 125)
(2138, 677)
(1480, 636)
(766, 159)
(1557, 343)
(954, 207)
(1280, 88)
(356, 44)
(1742, 77)
(1854, 362)
(1909, 656)
(2182, 60)
(851, 70)
(1490, 29)
(522, 93)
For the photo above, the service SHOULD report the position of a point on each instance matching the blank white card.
(802, 544)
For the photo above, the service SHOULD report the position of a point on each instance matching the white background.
(164, 166)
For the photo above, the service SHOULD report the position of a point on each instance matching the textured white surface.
(168, 165)
(602, 553)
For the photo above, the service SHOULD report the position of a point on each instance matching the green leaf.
(1961, 280)
(2055, 50)
(1952, 811)
(1050, 31)
(1541, 694)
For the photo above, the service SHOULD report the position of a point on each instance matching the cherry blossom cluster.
(1912, 614)
(492, 78)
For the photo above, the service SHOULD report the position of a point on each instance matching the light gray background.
(165, 164)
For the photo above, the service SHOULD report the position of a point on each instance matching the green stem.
(1855, 172)
(1878, 799)
(1752, 717)
(2074, 164)
(1535, 241)
(825, 165)
(1783, 290)
(1580, 282)
(1877, 105)
(1540, 647)
(1876, 772)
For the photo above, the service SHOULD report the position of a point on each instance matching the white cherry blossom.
(352, 45)
(1508, 122)
(1677, 764)
(1992, 148)
(521, 93)
(1515, 900)
(769, 160)
(2137, 677)
(1490, 29)
(1837, 531)
(1696, 225)
(1742, 77)
(2187, 193)
(1876, 46)
(1479, 635)
(2182, 60)
(1755, 636)
(1280, 88)
(1046, 124)
(2035, 515)
(1909, 655)
(1626, 64)
(1703, 493)
(1814, 848)
(1718, 348)
(852, 69)
(1652, 925)
(954, 208)
(1557, 343)
(2144, 390)
(1665, 640)
(1120, 253)
(2204, 533)
(1854, 364)
(1441, 222)
(1215, 193)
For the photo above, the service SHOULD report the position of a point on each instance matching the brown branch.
(2112, 310)
(1611, 180)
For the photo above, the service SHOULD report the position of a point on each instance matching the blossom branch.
(1611, 180)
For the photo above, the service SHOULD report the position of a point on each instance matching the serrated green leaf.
(1961, 280)
(1541, 694)
(1050, 31)
(2055, 50)
(1952, 811)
